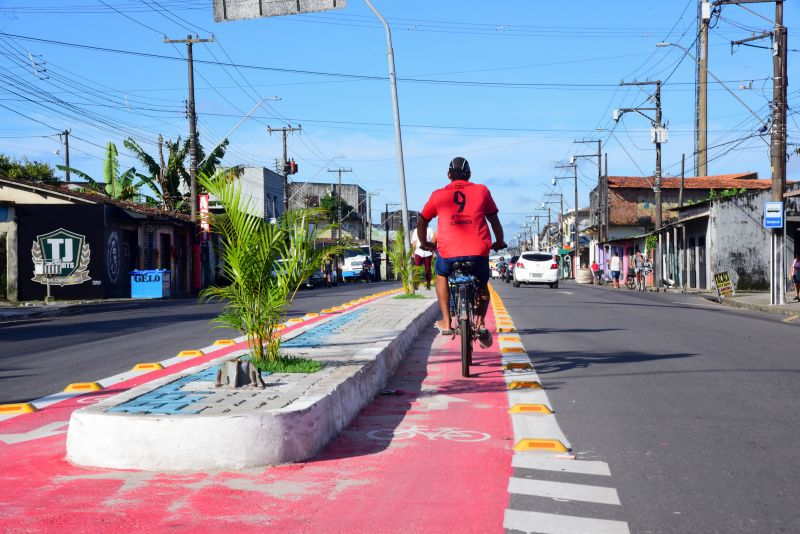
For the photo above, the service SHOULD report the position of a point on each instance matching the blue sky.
(509, 85)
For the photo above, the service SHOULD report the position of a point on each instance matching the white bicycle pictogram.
(448, 433)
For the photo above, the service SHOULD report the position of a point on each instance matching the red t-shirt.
(462, 208)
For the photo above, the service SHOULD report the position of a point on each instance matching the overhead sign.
(205, 227)
(61, 258)
(225, 10)
(773, 215)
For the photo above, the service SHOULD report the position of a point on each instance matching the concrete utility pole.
(659, 136)
(339, 200)
(560, 214)
(285, 131)
(599, 157)
(65, 133)
(574, 167)
(701, 117)
(683, 178)
(193, 152)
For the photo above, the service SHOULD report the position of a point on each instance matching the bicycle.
(630, 279)
(446, 433)
(463, 292)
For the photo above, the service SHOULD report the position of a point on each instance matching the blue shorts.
(615, 275)
(444, 267)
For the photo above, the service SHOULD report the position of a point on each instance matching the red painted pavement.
(434, 479)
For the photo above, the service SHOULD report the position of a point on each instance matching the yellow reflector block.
(224, 343)
(509, 338)
(515, 350)
(190, 353)
(530, 408)
(534, 444)
(21, 407)
(147, 367)
(310, 315)
(83, 386)
(524, 385)
(506, 329)
(294, 320)
(517, 365)
(328, 310)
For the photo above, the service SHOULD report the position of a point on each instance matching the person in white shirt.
(615, 266)
(424, 257)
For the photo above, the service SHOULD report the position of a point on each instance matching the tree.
(336, 207)
(166, 177)
(264, 263)
(28, 171)
(116, 185)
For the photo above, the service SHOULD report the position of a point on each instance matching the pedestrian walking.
(615, 266)
(796, 277)
(424, 257)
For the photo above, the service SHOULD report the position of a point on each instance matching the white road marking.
(436, 402)
(563, 490)
(584, 467)
(561, 524)
(44, 431)
(567, 292)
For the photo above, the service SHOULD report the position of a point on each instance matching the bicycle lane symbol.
(446, 433)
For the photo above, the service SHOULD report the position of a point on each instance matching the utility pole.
(701, 117)
(683, 178)
(339, 200)
(285, 131)
(560, 214)
(606, 209)
(659, 136)
(577, 245)
(193, 152)
(65, 133)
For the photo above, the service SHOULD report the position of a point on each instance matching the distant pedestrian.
(424, 257)
(796, 277)
(615, 266)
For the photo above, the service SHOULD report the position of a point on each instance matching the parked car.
(510, 271)
(536, 268)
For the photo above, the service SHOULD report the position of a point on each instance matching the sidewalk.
(758, 302)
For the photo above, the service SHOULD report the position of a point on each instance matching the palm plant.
(119, 186)
(264, 263)
(166, 177)
(410, 275)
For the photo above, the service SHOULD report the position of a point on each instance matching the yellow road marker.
(509, 338)
(224, 343)
(530, 408)
(791, 318)
(515, 350)
(524, 385)
(517, 365)
(294, 320)
(190, 353)
(20, 407)
(310, 315)
(147, 367)
(328, 310)
(83, 386)
(536, 444)
(506, 329)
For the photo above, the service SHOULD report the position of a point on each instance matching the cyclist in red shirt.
(463, 209)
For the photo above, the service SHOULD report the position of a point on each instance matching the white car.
(536, 268)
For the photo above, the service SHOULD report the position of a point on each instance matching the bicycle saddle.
(464, 266)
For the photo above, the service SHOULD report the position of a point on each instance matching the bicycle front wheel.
(465, 331)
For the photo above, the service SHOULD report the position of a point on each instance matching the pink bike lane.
(431, 453)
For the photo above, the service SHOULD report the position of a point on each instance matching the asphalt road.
(694, 406)
(41, 356)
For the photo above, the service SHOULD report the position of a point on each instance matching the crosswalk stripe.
(583, 467)
(561, 524)
(563, 490)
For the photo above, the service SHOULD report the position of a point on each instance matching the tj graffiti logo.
(62, 256)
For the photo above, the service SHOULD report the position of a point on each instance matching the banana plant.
(116, 185)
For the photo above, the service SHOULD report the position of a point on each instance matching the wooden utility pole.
(778, 149)
(284, 171)
(193, 152)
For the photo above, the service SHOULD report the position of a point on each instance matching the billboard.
(225, 10)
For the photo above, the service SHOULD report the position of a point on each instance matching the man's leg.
(484, 298)
(443, 294)
(417, 263)
(427, 262)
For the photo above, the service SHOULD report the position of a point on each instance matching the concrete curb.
(747, 306)
(293, 433)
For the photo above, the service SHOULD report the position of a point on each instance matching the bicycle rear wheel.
(465, 331)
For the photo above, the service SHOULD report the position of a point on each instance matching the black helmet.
(459, 169)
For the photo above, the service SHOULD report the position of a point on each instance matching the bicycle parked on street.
(463, 298)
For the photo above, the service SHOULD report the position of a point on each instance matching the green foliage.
(28, 171)
(116, 185)
(410, 275)
(265, 264)
(651, 243)
(725, 193)
(334, 206)
(165, 178)
(288, 364)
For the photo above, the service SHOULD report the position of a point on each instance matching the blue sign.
(773, 215)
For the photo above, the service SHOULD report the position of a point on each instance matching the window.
(537, 256)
